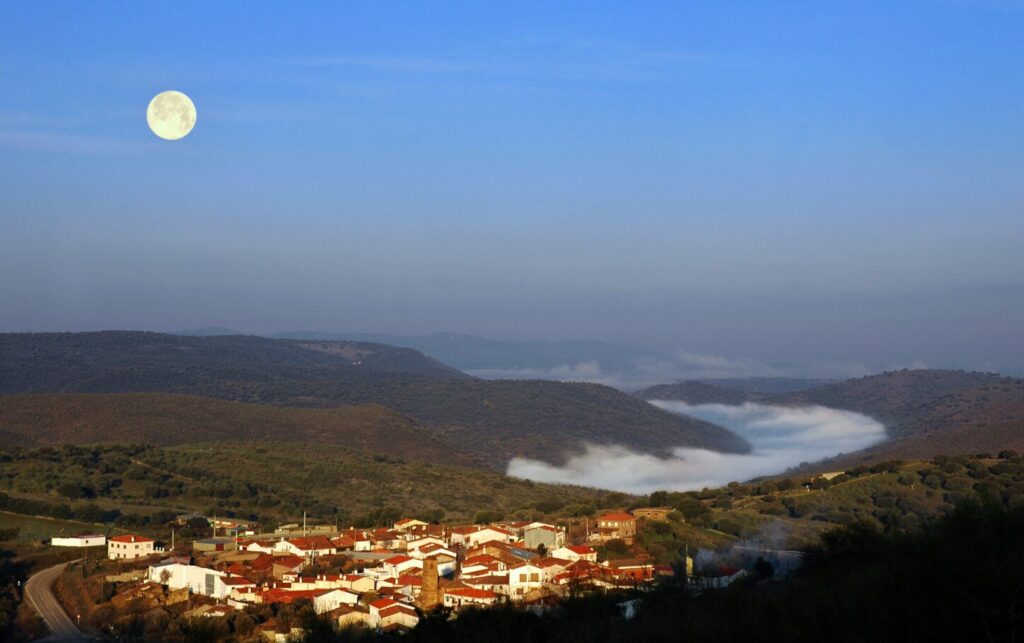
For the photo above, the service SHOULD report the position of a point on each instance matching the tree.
(764, 568)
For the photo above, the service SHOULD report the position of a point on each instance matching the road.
(42, 600)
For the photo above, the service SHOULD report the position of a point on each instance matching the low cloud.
(781, 437)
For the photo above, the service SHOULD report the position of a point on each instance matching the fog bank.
(781, 437)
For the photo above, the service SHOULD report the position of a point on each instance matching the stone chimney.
(430, 592)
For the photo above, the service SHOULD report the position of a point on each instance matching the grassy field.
(36, 528)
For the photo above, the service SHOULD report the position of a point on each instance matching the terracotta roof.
(582, 549)
(471, 592)
(131, 538)
(309, 543)
(397, 560)
(382, 603)
(617, 517)
(395, 609)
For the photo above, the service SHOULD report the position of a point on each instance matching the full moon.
(171, 115)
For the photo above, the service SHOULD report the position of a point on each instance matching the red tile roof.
(131, 538)
(617, 517)
(471, 592)
(582, 549)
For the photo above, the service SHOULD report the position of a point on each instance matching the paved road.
(39, 596)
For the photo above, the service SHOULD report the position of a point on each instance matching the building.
(199, 580)
(550, 537)
(524, 579)
(575, 552)
(79, 540)
(129, 546)
(616, 525)
(405, 524)
(653, 513)
(430, 591)
(207, 545)
(465, 596)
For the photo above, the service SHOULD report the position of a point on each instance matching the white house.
(129, 546)
(486, 535)
(307, 546)
(524, 579)
(405, 524)
(418, 543)
(464, 596)
(333, 599)
(80, 540)
(386, 611)
(431, 549)
(199, 580)
(396, 565)
(574, 553)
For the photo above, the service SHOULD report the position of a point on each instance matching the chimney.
(430, 592)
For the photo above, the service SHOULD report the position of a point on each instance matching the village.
(383, 578)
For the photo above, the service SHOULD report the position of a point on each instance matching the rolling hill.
(495, 420)
(694, 392)
(169, 419)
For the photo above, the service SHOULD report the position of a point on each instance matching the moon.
(171, 115)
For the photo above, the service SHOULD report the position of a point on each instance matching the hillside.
(473, 353)
(496, 420)
(928, 412)
(169, 419)
(267, 481)
(694, 392)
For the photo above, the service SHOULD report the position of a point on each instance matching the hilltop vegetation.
(167, 419)
(268, 482)
(496, 420)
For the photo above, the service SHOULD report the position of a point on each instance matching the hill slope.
(169, 419)
(694, 392)
(267, 481)
(727, 391)
(495, 419)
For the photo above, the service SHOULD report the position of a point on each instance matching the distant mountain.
(495, 420)
(694, 392)
(167, 419)
(763, 386)
(928, 412)
(727, 391)
(470, 353)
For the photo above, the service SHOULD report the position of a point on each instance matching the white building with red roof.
(576, 552)
(487, 534)
(129, 546)
(400, 563)
(457, 597)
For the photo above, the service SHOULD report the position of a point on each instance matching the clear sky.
(831, 183)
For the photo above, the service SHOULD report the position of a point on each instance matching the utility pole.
(304, 532)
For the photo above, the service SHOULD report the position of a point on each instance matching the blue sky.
(821, 183)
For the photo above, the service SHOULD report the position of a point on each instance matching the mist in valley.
(780, 438)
